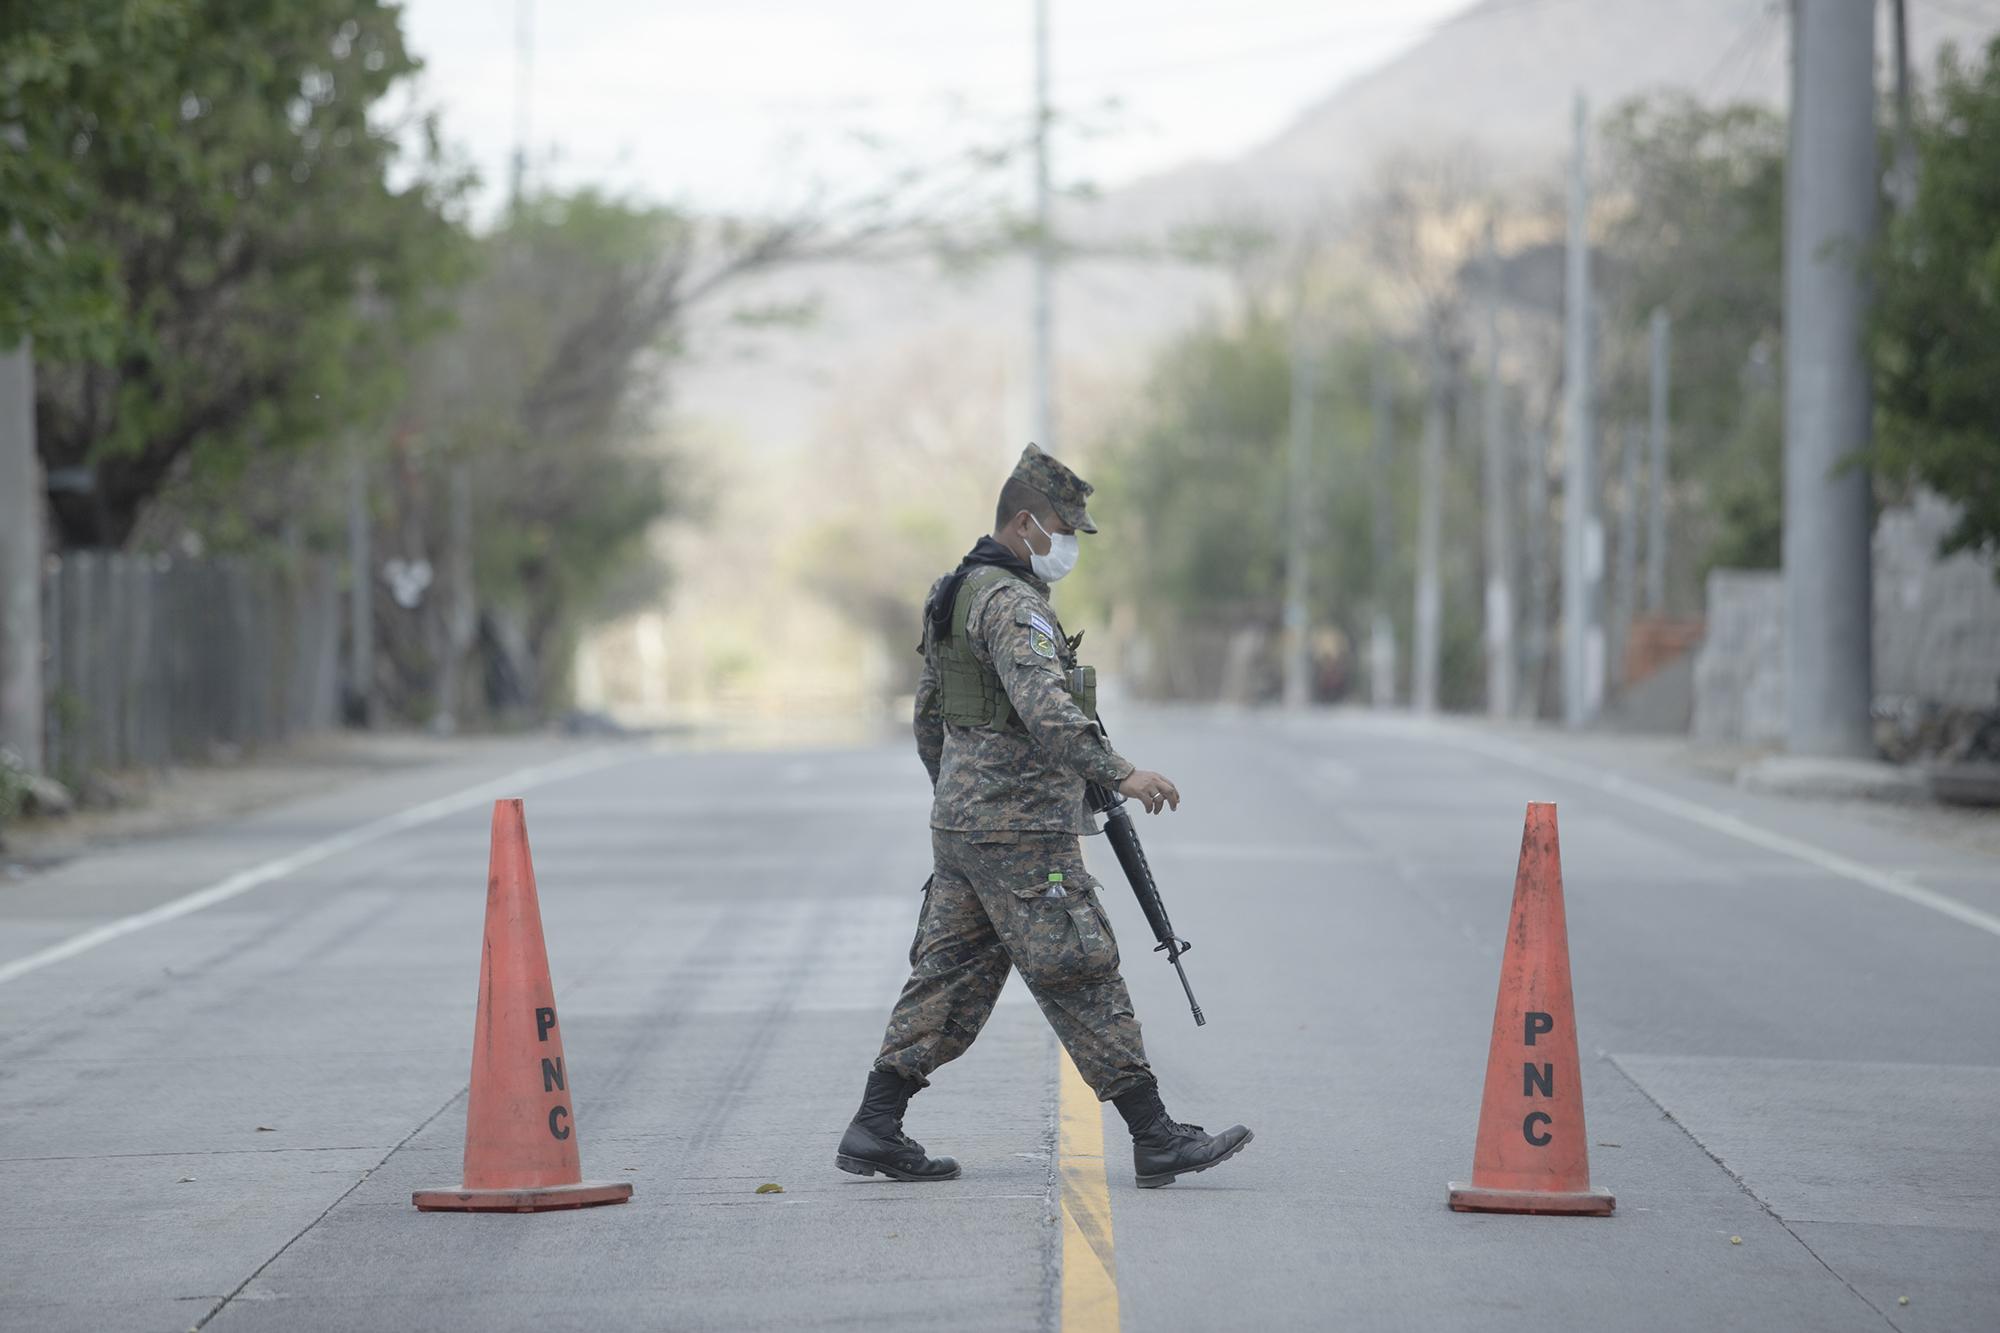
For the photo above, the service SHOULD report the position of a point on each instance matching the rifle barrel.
(1199, 1021)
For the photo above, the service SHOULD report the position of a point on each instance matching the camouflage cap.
(1066, 491)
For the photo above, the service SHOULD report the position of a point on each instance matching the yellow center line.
(1089, 1263)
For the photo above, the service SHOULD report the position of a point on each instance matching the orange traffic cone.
(1532, 1155)
(520, 1133)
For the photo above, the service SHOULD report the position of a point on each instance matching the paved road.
(1790, 1021)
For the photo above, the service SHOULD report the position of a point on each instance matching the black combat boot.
(875, 1141)
(1163, 1148)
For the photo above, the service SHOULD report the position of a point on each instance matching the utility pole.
(1298, 516)
(1830, 219)
(1625, 574)
(1656, 454)
(1045, 260)
(1430, 517)
(1382, 626)
(20, 560)
(1537, 446)
(1499, 491)
(361, 593)
(1583, 646)
(524, 68)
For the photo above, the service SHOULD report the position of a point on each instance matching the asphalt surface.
(213, 1109)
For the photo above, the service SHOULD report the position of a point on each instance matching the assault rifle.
(1124, 840)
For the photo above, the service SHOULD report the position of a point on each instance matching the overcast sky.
(706, 103)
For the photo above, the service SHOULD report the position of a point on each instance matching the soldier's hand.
(1151, 790)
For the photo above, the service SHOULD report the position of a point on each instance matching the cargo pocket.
(1064, 941)
(1093, 930)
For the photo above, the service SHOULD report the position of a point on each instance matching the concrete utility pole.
(1298, 517)
(1830, 220)
(1430, 537)
(1656, 454)
(20, 560)
(1045, 259)
(1537, 446)
(1499, 491)
(1382, 626)
(1625, 574)
(360, 592)
(1583, 643)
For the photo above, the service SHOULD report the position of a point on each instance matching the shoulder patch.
(1041, 633)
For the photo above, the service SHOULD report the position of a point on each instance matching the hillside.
(1500, 79)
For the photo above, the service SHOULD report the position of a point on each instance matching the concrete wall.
(1937, 624)
(1937, 633)
(1739, 682)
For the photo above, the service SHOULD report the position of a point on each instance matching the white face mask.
(1061, 559)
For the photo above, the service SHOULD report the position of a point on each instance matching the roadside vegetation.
(1689, 218)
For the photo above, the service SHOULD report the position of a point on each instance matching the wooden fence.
(152, 661)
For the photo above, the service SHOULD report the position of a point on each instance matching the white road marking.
(258, 876)
(1639, 793)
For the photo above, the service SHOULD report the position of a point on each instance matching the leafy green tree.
(1195, 488)
(544, 388)
(1698, 229)
(536, 397)
(1204, 476)
(58, 282)
(212, 257)
(1937, 319)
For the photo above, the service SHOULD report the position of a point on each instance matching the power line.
(1748, 37)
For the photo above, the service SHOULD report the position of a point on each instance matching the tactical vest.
(969, 692)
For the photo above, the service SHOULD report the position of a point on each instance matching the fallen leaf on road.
(1902, 1300)
(1736, 1240)
(770, 1189)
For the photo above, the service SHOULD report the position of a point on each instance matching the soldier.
(1005, 726)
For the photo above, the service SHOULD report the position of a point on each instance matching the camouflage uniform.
(1008, 806)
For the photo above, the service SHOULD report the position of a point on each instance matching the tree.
(1936, 328)
(58, 283)
(1194, 491)
(871, 542)
(213, 260)
(549, 388)
(1697, 227)
(1419, 226)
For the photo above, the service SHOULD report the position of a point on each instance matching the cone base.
(1593, 1202)
(536, 1199)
